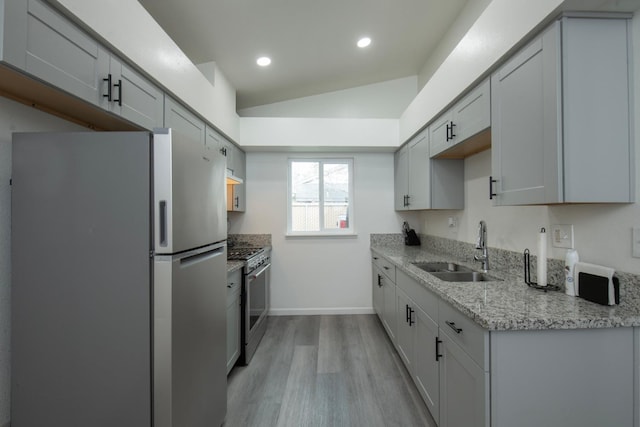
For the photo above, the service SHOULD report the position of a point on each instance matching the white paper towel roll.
(542, 258)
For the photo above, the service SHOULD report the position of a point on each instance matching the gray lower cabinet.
(424, 183)
(469, 376)
(560, 120)
(377, 291)
(234, 287)
(463, 387)
(183, 122)
(385, 279)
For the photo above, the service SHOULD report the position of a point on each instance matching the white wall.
(381, 100)
(500, 26)
(319, 275)
(313, 133)
(467, 17)
(602, 233)
(14, 117)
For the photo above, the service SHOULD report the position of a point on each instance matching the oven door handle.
(262, 270)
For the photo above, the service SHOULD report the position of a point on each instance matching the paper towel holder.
(527, 275)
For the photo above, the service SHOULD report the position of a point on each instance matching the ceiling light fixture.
(263, 61)
(364, 42)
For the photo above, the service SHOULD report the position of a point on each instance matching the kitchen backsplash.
(252, 240)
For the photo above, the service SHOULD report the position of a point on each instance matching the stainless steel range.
(255, 296)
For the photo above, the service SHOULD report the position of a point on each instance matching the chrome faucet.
(482, 244)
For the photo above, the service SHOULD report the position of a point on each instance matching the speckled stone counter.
(510, 304)
(233, 265)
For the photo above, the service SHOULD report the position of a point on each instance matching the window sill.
(349, 235)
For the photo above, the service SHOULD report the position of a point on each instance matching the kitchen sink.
(431, 267)
(464, 276)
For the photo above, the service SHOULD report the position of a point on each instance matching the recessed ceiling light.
(364, 42)
(263, 61)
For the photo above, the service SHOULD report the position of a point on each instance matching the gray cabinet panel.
(183, 122)
(234, 285)
(401, 178)
(404, 333)
(377, 291)
(439, 133)
(419, 173)
(463, 388)
(597, 149)
(577, 378)
(389, 318)
(134, 97)
(561, 126)
(426, 372)
(63, 55)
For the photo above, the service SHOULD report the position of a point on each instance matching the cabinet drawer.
(386, 267)
(423, 297)
(466, 333)
(234, 284)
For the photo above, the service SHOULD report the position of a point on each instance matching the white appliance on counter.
(119, 280)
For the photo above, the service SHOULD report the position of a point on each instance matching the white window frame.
(348, 231)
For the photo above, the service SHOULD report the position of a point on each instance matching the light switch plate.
(635, 236)
(562, 236)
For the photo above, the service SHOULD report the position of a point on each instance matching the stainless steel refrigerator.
(118, 280)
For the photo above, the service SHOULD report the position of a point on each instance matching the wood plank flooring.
(324, 371)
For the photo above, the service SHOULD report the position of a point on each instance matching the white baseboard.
(318, 311)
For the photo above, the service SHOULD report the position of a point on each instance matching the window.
(320, 196)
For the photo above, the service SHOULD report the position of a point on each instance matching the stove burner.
(242, 254)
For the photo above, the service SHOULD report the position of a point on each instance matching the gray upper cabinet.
(53, 49)
(425, 183)
(183, 122)
(59, 53)
(468, 117)
(561, 128)
(236, 164)
(132, 96)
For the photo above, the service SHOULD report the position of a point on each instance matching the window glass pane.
(336, 195)
(305, 196)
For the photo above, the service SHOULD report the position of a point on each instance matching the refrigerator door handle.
(198, 258)
(163, 222)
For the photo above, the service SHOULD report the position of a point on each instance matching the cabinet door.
(389, 318)
(377, 291)
(133, 97)
(233, 318)
(419, 172)
(238, 161)
(61, 54)
(472, 114)
(405, 320)
(439, 134)
(426, 368)
(524, 124)
(236, 199)
(463, 388)
(401, 178)
(183, 122)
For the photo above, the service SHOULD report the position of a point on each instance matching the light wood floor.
(324, 371)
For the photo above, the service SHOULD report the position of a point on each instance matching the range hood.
(232, 179)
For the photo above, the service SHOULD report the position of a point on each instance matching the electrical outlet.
(635, 236)
(562, 236)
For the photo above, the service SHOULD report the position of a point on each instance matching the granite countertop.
(510, 304)
(233, 265)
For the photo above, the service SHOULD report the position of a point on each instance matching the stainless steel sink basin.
(464, 276)
(431, 267)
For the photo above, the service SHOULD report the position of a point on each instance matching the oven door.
(257, 297)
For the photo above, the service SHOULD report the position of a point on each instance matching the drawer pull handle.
(438, 355)
(385, 267)
(453, 326)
